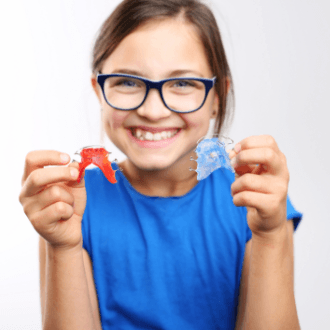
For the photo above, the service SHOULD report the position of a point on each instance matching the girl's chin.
(151, 166)
(151, 163)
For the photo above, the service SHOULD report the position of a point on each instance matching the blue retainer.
(211, 155)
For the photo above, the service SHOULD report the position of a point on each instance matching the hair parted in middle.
(131, 14)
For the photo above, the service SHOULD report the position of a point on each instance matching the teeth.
(163, 135)
(149, 136)
(157, 137)
(145, 135)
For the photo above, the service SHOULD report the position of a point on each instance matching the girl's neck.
(176, 180)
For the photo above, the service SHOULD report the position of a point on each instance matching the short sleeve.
(291, 212)
(84, 231)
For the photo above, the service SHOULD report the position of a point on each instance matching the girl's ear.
(216, 100)
(215, 106)
(96, 87)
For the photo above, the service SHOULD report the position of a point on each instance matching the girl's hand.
(52, 199)
(261, 188)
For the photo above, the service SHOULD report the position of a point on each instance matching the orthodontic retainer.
(211, 155)
(98, 156)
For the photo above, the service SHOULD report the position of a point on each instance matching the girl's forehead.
(159, 47)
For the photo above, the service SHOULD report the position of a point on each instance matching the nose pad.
(153, 107)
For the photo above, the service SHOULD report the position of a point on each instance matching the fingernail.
(74, 172)
(233, 162)
(238, 148)
(65, 158)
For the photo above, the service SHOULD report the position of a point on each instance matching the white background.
(279, 52)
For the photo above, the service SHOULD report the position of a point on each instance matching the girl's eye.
(183, 83)
(126, 83)
(123, 84)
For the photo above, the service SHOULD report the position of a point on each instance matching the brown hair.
(130, 14)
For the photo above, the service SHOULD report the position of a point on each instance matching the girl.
(158, 249)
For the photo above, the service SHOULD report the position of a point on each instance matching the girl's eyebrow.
(175, 73)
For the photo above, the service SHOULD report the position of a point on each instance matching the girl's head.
(160, 39)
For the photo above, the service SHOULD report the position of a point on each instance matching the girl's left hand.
(261, 183)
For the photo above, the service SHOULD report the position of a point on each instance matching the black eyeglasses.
(128, 92)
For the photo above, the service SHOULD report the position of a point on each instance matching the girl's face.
(156, 51)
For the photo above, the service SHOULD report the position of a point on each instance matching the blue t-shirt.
(166, 262)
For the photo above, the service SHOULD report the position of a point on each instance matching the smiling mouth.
(144, 135)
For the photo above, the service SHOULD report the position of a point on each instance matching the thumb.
(76, 184)
(231, 153)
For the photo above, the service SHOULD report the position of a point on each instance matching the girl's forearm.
(270, 296)
(67, 302)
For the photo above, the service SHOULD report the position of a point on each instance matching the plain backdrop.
(279, 54)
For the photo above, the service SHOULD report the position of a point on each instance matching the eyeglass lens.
(179, 94)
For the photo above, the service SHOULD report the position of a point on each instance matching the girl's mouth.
(157, 139)
(144, 135)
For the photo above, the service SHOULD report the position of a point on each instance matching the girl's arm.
(92, 290)
(266, 293)
(68, 297)
(270, 298)
(261, 185)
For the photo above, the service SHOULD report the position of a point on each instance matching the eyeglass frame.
(156, 84)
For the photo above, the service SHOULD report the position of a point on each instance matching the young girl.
(160, 249)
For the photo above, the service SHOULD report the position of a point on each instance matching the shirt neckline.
(130, 187)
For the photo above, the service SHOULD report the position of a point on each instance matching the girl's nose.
(153, 107)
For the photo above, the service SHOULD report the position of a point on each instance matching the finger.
(248, 159)
(40, 158)
(47, 197)
(251, 182)
(242, 170)
(253, 142)
(254, 199)
(75, 184)
(40, 178)
(265, 204)
(258, 141)
(51, 214)
(254, 169)
(231, 153)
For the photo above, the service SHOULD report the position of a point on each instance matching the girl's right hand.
(52, 199)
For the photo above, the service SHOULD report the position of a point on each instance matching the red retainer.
(98, 157)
